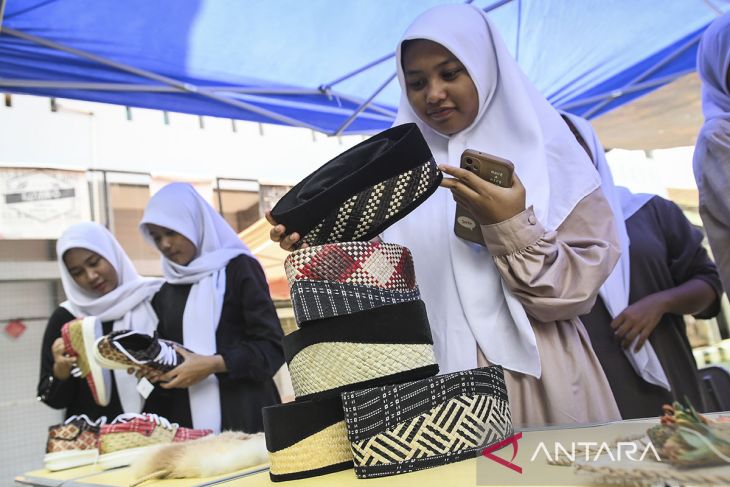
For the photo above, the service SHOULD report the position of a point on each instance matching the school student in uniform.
(549, 238)
(99, 280)
(636, 326)
(216, 304)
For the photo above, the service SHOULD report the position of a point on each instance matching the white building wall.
(88, 135)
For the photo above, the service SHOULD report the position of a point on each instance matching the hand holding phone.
(493, 202)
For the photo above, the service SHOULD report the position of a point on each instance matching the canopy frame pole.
(660, 64)
(363, 106)
(181, 86)
(31, 83)
(712, 7)
(496, 5)
(613, 94)
(325, 88)
(375, 108)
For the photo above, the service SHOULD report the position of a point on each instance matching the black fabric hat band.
(400, 323)
(402, 428)
(306, 439)
(316, 300)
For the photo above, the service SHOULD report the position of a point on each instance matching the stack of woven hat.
(362, 360)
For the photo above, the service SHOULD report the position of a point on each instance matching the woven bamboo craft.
(77, 435)
(323, 449)
(375, 208)
(330, 366)
(315, 300)
(422, 424)
(306, 439)
(123, 440)
(374, 264)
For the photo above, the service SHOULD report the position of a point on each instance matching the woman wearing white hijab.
(216, 303)
(99, 280)
(550, 240)
(712, 150)
(636, 326)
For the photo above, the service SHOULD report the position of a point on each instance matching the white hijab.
(128, 305)
(467, 302)
(615, 291)
(179, 207)
(631, 202)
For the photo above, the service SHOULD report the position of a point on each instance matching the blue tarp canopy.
(328, 64)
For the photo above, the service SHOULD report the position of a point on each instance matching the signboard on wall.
(41, 203)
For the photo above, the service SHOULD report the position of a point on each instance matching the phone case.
(490, 168)
(466, 226)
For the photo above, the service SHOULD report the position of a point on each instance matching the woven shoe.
(128, 348)
(79, 337)
(72, 443)
(130, 435)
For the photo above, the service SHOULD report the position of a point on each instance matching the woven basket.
(331, 365)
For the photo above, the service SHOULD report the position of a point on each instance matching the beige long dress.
(556, 276)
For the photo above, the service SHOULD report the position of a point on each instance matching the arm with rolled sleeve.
(556, 274)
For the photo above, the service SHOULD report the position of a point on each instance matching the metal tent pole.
(363, 106)
(76, 85)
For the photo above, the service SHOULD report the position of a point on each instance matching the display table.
(479, 471)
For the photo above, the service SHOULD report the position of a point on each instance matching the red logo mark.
(487, 452)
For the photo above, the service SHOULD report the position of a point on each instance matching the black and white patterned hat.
(411, 426)
(363, 191)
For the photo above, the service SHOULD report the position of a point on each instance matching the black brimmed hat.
(363, 191)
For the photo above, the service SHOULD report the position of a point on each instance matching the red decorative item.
(15, 328)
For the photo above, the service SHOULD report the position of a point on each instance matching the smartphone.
(490, 168)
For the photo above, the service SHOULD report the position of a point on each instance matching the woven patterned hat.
(344, 278)
(377, 264)
(315, 300)
(384, 345)
(423, 424)
(306, 439)
(363, 191)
